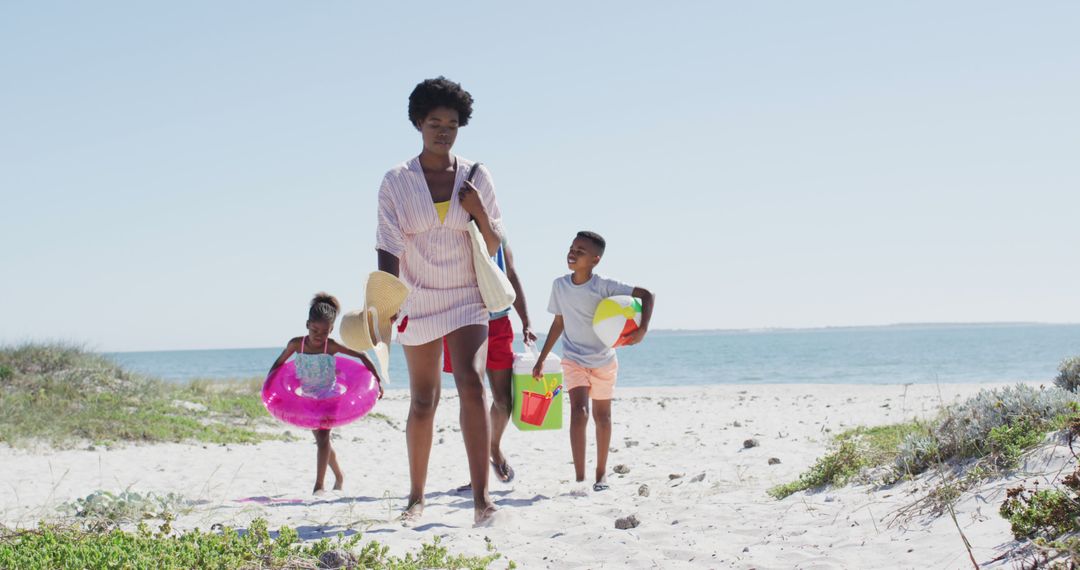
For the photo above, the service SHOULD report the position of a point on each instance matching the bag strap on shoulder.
(472, 171)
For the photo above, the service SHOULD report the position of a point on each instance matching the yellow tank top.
(442, 208)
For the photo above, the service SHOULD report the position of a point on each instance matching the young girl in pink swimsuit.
(316, 371)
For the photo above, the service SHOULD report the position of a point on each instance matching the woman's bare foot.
(339, 482)
(411, 513)
(485, 516)
(318, 491)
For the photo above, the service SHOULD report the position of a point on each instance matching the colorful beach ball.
(615, 318)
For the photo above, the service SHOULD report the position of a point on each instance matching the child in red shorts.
(500, 363)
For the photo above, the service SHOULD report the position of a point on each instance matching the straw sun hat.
(370, 328)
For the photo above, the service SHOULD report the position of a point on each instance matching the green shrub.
(963, 431)
(1009, 441)
(858, 448)
(997, 424)
(1068, 377)
(832, 469)
(68, 547)
(63, 395)
(1047, 513)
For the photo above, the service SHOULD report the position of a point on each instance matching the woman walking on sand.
(425, 206)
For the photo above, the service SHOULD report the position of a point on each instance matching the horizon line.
(931, 324)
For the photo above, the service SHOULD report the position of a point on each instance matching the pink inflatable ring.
(356, 395)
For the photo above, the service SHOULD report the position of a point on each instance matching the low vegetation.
(994, 428)
(1068, 377)
(857, 450)
(104, 510)
(52, 546)
(63, 395)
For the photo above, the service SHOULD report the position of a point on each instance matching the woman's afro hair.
(439, 92)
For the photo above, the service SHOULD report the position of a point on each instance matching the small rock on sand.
(774, 461)
(752, 442)
(698, 478)
(621, 469)
(627, 522)
(643, 491)
(672, 476)
(631, 443)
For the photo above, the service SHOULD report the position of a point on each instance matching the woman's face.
(439, 130)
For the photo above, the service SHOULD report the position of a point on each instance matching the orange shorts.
(599, 381)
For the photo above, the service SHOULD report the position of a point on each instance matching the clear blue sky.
(187, 174)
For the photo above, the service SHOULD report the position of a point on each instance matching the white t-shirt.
(577, 305)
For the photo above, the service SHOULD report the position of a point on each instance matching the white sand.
(716, 516)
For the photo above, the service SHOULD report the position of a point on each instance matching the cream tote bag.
(495, 287)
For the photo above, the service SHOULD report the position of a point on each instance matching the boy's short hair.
(595, 238)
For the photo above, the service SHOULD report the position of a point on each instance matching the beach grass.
(994, 427)
(64, 396)
(53, 546)
(857, 449)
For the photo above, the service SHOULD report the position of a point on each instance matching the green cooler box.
(533, 408)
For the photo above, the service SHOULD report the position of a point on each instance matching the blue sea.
(856, 355)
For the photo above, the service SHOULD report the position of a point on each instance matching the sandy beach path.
(705, 505)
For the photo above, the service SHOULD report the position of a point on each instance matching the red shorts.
(500, 353)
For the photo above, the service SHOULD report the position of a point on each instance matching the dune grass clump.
(1068, 377)
(70, 547)
(997, 426)
(858, 449)
(63, 395)
(999, 423)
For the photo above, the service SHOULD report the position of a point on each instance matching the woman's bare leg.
(468, 355)
(424, 369)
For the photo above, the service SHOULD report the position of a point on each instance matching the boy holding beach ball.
(589, 364)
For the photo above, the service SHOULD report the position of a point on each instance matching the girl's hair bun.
(324, 307)
(324, 297)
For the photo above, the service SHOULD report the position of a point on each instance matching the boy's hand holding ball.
(634, 337)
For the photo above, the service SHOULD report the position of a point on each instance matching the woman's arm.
(519, 299)
(469, 196)
(389, 239)
(388, 262)
(549, 343)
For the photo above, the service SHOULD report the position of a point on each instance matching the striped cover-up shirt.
(435, 258)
